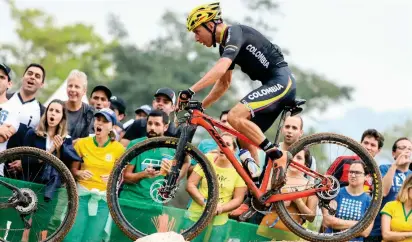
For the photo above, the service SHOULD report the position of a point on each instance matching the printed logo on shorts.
(263, 92)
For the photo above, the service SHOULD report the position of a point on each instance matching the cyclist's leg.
(258, 110)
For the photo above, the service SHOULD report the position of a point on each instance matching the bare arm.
(6, 131)
(218, 89)
(367, 231)
(185, 168)
(191, 188)
(238, 196)
(388, 179)
(389, 235)
(124, 142)
(333, 222)
(308, 210)
(217, 71)
(75, 168)
(131, 177)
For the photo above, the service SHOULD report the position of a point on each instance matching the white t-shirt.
(8, 115)
(29, 112)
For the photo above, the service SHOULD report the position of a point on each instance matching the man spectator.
(142, 111)
(9, 122)
(119, 107)
(164, 100)
(350, 204)
(80, 115)
(29, 108)
(100, 97)
(292, 131)
(372, 141)
(146, 169)
(393, 176)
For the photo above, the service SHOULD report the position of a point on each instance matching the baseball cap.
(6, 69)
(118, 103)
(144, 108)
(105, 89)
(108, 114)
(167, 92)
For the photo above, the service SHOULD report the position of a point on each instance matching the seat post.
(282, 119)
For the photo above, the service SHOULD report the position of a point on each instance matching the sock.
(266, 145)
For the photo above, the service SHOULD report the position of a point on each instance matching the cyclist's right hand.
(184, 97)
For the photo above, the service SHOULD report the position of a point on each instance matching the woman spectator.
(51, 136)
(99, 154)
(301, 209)
(232, 190)
(397, 215)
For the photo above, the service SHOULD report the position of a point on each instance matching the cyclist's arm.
(218, 89)
(229, 53)
(213, 75)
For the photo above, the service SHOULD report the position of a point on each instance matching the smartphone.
(156, 168)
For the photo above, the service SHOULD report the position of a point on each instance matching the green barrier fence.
(138, 214)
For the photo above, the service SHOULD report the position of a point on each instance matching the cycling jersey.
(252, 51)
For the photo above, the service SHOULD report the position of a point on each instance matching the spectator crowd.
(90, 137)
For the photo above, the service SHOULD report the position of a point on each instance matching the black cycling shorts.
(267, 102)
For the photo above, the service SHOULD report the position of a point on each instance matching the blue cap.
(108, 114)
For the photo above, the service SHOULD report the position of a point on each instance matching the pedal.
(247, 215)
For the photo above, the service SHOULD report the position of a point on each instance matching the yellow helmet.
(203, 14)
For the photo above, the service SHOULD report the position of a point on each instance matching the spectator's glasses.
(404, 147)
(356, 173)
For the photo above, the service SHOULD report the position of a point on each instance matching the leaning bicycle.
(38, 196)
(271, 196)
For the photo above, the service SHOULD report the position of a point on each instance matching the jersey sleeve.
(240, 182)
(234, 42)
(199, 170)
(12, 119)
(388, 208)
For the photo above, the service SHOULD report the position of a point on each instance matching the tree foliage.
(397, 131)
(58, 48)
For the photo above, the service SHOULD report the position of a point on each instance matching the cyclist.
(260, 59)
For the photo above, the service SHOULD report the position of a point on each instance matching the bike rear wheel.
(116, 180)
(371, 212)
(34, 190)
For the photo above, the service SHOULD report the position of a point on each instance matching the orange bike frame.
(200, 119)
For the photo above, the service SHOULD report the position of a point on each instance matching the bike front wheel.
(136, 215)
(50, 191)
(349, 209)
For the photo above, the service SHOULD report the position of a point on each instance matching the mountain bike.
(269, 196)
(39, 202)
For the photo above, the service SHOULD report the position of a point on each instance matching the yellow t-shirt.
(228, 180)
(98, 160)
(400, 222)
